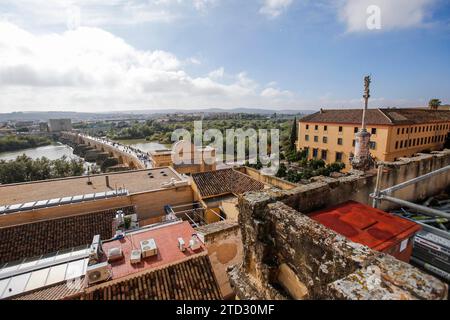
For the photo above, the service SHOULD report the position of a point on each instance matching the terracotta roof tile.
(225, 181)
(59, 291)
(34, 239)
(390, 116)
(192, 279)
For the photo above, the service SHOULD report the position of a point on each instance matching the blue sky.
(99, 55)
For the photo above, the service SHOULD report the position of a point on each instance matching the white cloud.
(274, 93)
(101, 12)
(273, 8)
(217, 74)
(89, 69)
(395, 14)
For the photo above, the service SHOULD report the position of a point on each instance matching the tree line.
(26, 169)
(14, 142)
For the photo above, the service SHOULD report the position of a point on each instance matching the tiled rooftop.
(166, 238)
(34, 239)
(388, 116)
(59, 291)
(133, 181)
(190, 279)
(226, 181)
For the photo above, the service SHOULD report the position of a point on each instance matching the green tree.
(282, 170)
(25, 169)
(293, 137)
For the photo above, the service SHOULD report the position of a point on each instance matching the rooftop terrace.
(166, 238)
(133, 181)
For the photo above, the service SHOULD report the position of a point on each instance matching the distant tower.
(362, 159)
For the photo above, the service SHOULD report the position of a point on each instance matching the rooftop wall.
(327, 191)
(224, 243)
(290, 256)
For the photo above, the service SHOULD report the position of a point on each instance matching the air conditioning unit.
(135, 256)
(181, 245)
(115, 254)
(95, 250)
(194, 243)
(98, 272)
(148, 248)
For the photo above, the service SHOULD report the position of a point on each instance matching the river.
(52, 152)
(144, 145)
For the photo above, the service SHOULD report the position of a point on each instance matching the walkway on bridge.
(142, 157)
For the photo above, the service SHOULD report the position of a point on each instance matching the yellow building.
(187, 153)
(396, 133)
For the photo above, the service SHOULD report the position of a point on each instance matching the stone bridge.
(94, 150)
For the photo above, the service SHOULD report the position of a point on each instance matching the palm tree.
(434, 104)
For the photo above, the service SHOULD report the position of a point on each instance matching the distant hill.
(135, 114)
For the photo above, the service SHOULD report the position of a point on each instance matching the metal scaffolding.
(386, 195)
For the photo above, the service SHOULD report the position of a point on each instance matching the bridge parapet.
(128, 157)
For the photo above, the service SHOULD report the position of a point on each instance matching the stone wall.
(287, 255)
(328, 191)
(270, 180)
(224, 243)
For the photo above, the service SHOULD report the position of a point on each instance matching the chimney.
(321, 110)
(107, 181)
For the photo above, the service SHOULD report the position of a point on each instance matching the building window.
(403, 130)
(374, 130)
(316, 139)
(325, 140)
(398, 131)
(324, 155)
(355, 130)
(354, 143)
(315, 153)
(307, 127)
(340, 141)
(340, 129)
(401, 144)
(372, 145)
(306, 137)
(396, 144)
(415, 129)
(306, 152)
(325, 128)
(339, 156)
(316, 127)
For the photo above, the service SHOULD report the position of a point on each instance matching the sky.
(119, 55)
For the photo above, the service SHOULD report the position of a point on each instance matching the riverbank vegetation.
(156, 130)
(26, 169)
(18, 142)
